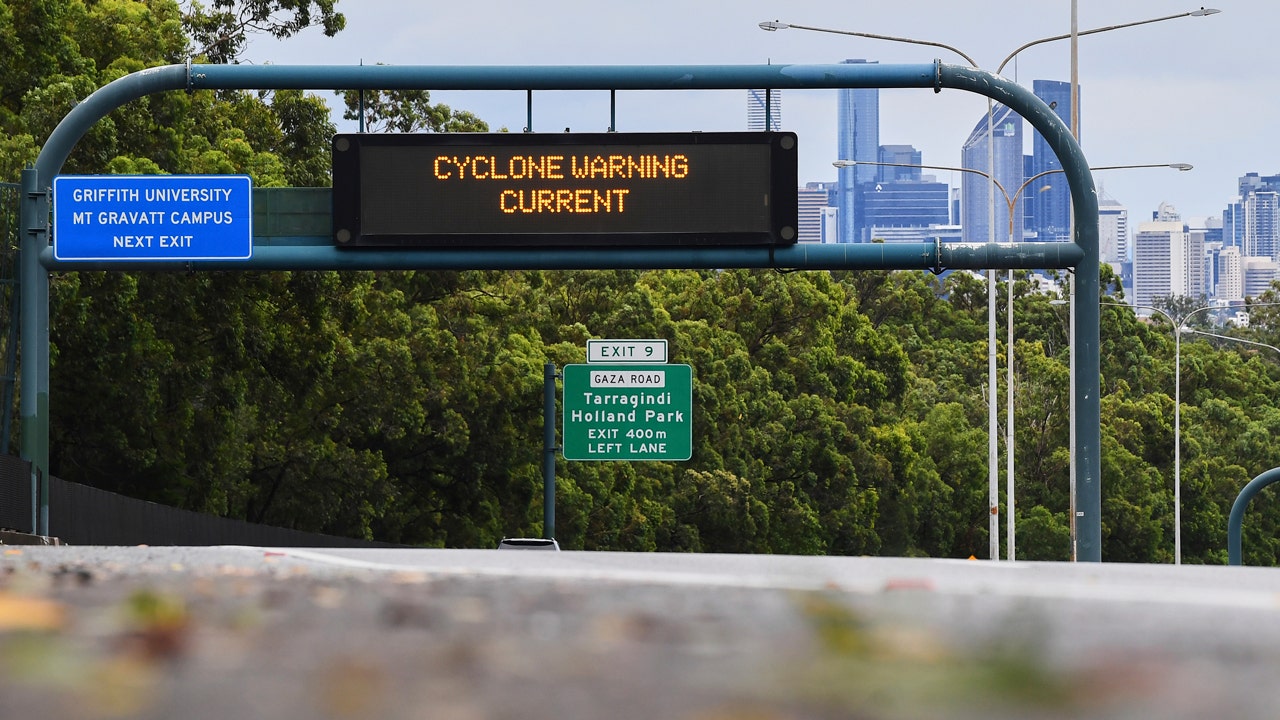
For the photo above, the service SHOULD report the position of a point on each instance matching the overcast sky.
(1199, 90)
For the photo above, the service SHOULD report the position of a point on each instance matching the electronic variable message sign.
(564, 189)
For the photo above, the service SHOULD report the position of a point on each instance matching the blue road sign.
(152, 217)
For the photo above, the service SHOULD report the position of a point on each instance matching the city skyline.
(1157, 93)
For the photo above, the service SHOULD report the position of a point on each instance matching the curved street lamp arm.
(1009, 200)
(778, 25)
(974, 171)
(891, 38)
(1176, 166)
(1187, 317)
(1193, 331)
(1093, 31)
(1172, 323)
(1180, 323)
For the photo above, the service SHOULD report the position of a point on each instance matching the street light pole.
(992, 458)
(1071, 281)
(1178, 326)
(1011, 201)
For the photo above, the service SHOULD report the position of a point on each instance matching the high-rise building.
(1230, 274)
(1261, 211)
(1153, 261)
(1113, 230)
(1050, 199)
(1212, 267)
(858, 129)
(896, 205)
(1233, 226)
(977, 191)
(903, 163)
(1192, 265)
(1252, 222)
(1213, 231)
(1209, 230)
(1027, 220)
(1259, 273)
(1168, 259)
(830, 224)
(1243, 276)
(812, 200)
(1166, 213)
(764, 110)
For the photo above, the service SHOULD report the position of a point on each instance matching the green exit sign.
(628, 412)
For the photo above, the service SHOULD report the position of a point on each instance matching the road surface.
(239, 632)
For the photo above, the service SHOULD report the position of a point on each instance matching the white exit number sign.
(626, 351)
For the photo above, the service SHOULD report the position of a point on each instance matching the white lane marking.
(1089, 589)
(790, 582)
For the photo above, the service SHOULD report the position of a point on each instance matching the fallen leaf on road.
(28, 613)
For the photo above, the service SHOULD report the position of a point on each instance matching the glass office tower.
(1050, 198)
(764, 110)
(976, 190)
(858, 124)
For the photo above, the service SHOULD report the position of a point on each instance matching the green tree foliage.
(221, 29)
(838, 413)
(406, 111)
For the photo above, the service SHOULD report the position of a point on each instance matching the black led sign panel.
(562, 189)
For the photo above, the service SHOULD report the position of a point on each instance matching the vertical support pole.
(361, 125)
(993, 399)
(1074, 443)
(768, 110)
(549, 449)
(34, 287)
(528, 125)
(1010, 523)
(1177, 441)
(993, 428)
(1085, 337)
(1071, 367)
(613, 111)
(1088, 387)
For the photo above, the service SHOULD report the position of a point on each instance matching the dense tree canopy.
(839, 413)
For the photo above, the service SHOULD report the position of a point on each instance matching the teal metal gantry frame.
(309, 254)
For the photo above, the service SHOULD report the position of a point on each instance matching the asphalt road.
(467, 634)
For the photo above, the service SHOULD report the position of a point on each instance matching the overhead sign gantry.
(37, 258)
